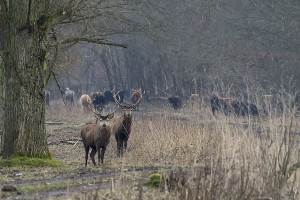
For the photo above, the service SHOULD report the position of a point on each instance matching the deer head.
(128, 108)
(101, 117)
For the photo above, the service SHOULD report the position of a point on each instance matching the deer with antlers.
(123, 124)
(96, 136)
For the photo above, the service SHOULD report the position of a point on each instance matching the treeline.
(236, 48)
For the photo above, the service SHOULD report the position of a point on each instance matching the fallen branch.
(84, 39)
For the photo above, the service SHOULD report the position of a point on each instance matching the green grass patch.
(155, 180)
(31, 162)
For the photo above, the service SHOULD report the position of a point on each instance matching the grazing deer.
(96, 136)
(98, 100)
(84, 101)
(123, 124)
(228, 105)
(135, 96)
(195, 98)
(176, 101)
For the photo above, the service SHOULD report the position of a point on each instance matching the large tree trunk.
(24, 114)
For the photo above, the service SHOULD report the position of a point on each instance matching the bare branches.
(85, 39)
(58, 85)
(67, 12)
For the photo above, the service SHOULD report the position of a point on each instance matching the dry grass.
(222, 157)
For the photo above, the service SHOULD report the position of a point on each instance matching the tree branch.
(84, 39)
(58, 85)
(66, 12)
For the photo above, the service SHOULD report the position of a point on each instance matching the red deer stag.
(123, 124)
(96, 136)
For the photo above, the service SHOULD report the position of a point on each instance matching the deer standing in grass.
(96, 136)
(84, 101)
(123, 124)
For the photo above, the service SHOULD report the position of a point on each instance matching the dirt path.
(86, 181)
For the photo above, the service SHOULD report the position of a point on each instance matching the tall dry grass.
(221, 157)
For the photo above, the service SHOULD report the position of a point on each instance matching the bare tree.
(32, 33)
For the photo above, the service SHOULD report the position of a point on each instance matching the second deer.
(123, 124)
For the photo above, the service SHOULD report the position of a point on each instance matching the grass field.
(198, 155)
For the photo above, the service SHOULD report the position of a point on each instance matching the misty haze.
(143, 99)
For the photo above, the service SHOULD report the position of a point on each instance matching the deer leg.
(86, 155)
(225, 110)
(122, 147)
(99, 155)
(102, 154)
(119, 144)
(92, 155)
(125, 144)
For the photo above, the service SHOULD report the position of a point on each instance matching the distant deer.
(176, 101)
(84, 101)
(69, 95)
(123, 124)
(135, 96)
(97, 136)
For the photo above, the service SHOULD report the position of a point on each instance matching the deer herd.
(97, 136)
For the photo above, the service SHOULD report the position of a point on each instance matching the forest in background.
(241, 49)
(234, 48)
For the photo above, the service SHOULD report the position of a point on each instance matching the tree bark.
(24, 107)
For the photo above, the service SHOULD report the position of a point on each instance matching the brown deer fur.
(123, 124)
(84, 101)
(121, 129)
(195, 97)
(97, 138)
(227, 105)
(135, 96)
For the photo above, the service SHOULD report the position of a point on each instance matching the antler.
(99, 116)
(140, 99)
(129, 107)
(89, 106)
